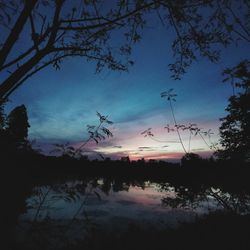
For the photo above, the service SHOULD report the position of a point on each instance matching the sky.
(60, 103)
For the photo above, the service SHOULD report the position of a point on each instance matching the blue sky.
(61, 103)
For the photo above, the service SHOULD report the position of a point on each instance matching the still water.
(117, 204)
(73, 211)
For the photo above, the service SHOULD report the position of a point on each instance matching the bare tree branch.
(15, 32)
(110, 22)
(28, 51)
(37, 70)
(10, 82)
(55, 25)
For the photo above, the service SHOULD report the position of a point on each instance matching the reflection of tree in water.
(44, 230)
(193, 196)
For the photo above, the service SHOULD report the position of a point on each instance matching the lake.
(70, 210)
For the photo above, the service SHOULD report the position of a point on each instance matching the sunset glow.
(63, 102)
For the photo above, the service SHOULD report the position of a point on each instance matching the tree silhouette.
(17, 126)
(235, 127)
(59, 29)
(191, 160)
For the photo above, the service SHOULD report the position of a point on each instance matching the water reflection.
(73, 210)
(208, 199)
(102, 199)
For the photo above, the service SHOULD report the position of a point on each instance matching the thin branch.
(177, 129)
(179, 37)
(204, 140)
(233, 29)
(90, 138)
(82, 20)
(238, 21)
(20, 72)
(71, 48)
(26, 53)
(154, 139)
(110, 22)
(17, 59)
(241, 35)
(79, 209)
(41, 203)
(38, 69)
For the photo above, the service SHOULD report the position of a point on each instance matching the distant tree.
(141, 161)
(59, 29)
(235, 127)
(152, 161)
(17, 126)
(191, 159)
(125, 159)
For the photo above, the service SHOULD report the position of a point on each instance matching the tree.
(17, 126)
(59, 29)
(125, 159)
(191, 160)
(235, 127)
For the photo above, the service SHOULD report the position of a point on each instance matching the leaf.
(90, 127)
(108, 121)
(163, 94)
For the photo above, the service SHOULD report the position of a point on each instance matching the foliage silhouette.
(235, 127)
(96, 133)
(148, 133)
(191, 159)
(61, 29)
(192, 196)
(171, 97)
(193, 129)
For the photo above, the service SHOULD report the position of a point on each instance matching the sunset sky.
(61, 103)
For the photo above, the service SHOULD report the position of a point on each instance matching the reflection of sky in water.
(137, 204)
(105, 210)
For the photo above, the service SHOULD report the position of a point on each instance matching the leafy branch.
(96, 133)
(170, 96)
(193, 128)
